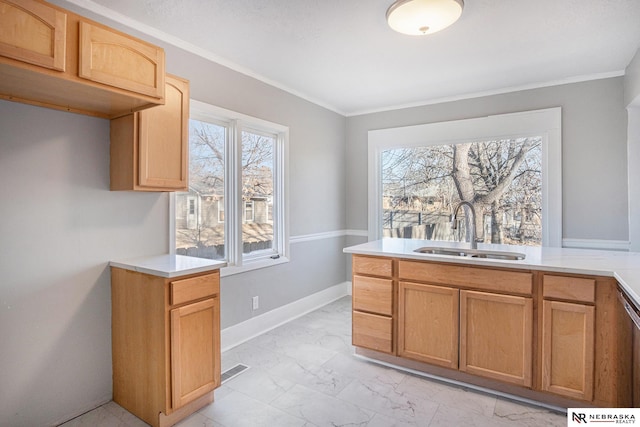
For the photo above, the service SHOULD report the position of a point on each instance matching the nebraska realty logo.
(582, 416)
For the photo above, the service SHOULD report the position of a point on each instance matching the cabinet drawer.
(372, 265)
(372, 331)
(479, 278)
(569, 288)
(373, 295)
(194, 288)
(121, 61)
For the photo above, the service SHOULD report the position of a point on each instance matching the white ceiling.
(341, 53)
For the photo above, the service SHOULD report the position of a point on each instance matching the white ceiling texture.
(342, 54)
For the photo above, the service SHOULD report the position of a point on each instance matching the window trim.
(236, 122)
(546, 123)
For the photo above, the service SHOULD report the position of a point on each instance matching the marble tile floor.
(304, 374)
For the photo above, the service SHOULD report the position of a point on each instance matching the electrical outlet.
(256, 302)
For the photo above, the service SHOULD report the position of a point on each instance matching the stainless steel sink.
(441, 251)
(472, 253)
(513, 256)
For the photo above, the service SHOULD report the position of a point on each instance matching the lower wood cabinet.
(568, 349)
(496, 336)
(562, 339)
(372, 331)
(373, 303)
(428, 323)
(165, 343)
(195, 366)
(636, 367)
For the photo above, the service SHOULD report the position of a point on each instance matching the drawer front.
(373, 295)
(373, 266)
(195, 288)
(372, 331)
(569, 288)
(478, 278)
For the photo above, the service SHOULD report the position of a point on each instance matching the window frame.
(546, 123)
(235, 122)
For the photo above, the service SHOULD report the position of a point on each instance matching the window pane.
(258, 190)
(200, 211)
(503, 180)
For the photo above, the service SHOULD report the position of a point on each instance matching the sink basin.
(472, 253)
(513, 256)
(441, 251)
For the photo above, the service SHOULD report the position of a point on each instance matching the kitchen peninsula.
(550, 327)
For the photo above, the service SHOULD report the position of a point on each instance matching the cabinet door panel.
(33, 32)
(164, 139)
(428, 324)
(568, 349)
(496, 336)
(195, 346)
(120, 61)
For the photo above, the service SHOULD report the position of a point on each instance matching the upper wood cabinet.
(120, 61)
(33, 32)
(149, 149)
(53, 58)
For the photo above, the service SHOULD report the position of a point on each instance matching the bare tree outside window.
(257, 189)
(501, 178)
(201, 232)
(200, 213)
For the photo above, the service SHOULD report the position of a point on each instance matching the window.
(421, 187)
(508, 166)
(248, 212)
(237, 180)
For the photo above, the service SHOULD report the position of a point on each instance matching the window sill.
(252, 265)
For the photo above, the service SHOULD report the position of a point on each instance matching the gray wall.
(632, 101)
(634, 177)
(632, 81)
(316, 190)
(594, 150)
(61, 226)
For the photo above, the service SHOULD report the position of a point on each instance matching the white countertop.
(169, 265)
(623, 266)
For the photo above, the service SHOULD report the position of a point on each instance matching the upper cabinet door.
(120, 61)
(33, 32)
(164, 140)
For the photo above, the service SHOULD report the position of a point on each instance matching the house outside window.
(237, 169)
(248, 211)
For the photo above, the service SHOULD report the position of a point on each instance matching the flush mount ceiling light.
(420, 17)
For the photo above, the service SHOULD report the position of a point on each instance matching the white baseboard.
(244, 331)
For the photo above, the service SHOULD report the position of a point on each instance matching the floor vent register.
(233, 372)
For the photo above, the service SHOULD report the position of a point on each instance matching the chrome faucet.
(472, 222)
